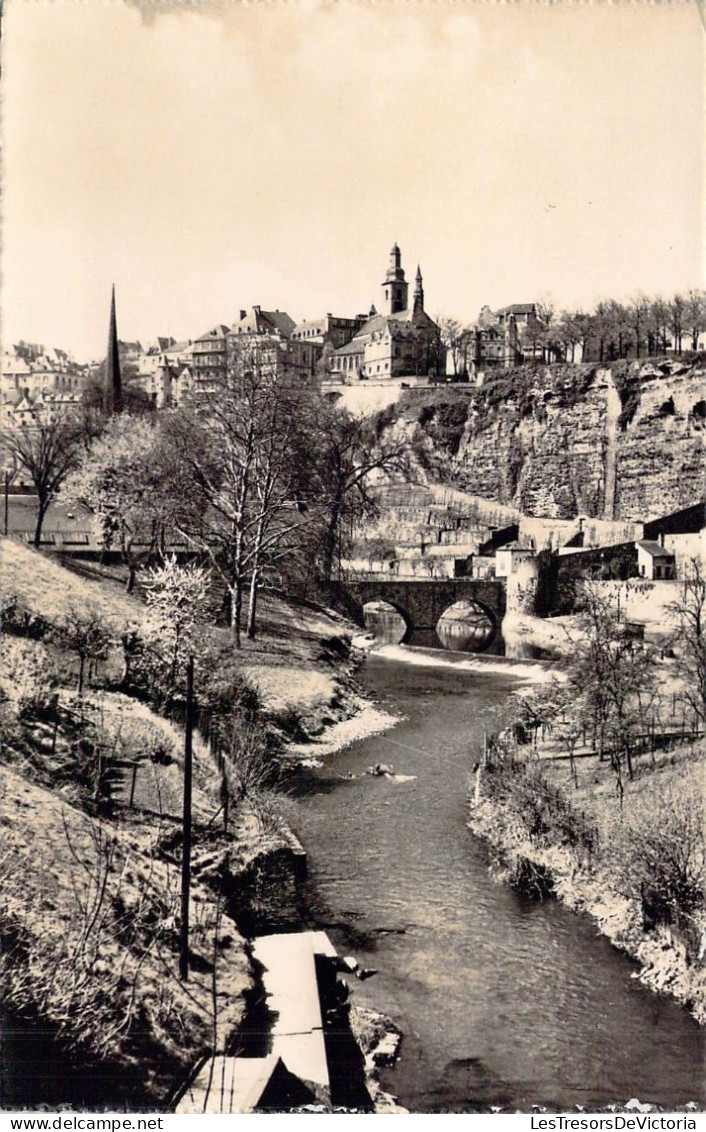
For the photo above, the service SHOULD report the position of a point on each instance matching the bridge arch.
(421, 603)
(377, 620)
(467, 625)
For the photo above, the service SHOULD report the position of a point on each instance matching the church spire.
(113, 391)
(418, 291)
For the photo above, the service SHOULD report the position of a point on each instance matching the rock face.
(625, 442)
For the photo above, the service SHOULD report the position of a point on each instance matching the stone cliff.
(619, 442)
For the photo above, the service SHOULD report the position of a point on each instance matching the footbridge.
(421, 602)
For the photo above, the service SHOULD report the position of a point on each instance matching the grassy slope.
(290, 661)
(108, 982)
(90, 941)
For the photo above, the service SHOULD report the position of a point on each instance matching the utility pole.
(7, 490)
(186, 826)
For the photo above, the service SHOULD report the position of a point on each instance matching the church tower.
(113, 390)
(418, 301)
(394, 286)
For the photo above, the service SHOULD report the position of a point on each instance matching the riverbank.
(90, 920)
(581, 854)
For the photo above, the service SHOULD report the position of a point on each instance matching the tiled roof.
(518, 308)
(219, 331)
(654, 549)
(281, 321)
(355, 346)
(318, 325)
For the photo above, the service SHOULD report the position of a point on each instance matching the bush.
(19, 619)
(658, 856)
(541, 810)
(28, 677)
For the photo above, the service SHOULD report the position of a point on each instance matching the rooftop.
(654, 549)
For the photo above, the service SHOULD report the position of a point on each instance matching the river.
(502, 1001)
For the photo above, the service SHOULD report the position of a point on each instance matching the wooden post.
(99, 774)
(132, 784)
(7, 505)
(186, 825)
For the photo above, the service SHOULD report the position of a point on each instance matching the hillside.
(91, 788)
(619, 442)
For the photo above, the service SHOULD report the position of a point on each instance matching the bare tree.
(659, 325)
(82, 630)
(695, 316)
(677, 315)
(241, 465)
(614, 677)
(638, 312)
(456, 338)
(48, 450)
(690, 640)
(348, 457)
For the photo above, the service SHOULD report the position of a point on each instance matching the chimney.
(242, 315)
(660, 538)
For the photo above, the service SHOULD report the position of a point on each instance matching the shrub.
(28, 677)
(541, 810)
(19, 619)
(658, 855)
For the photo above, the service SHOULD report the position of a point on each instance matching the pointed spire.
(418, 291)
(113, 392)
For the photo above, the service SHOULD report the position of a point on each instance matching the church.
(402, 341)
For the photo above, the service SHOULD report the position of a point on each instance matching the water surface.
(502, 1001)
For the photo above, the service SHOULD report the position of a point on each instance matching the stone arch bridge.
(421, 602)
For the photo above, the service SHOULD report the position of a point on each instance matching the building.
(314, 341)
(401, 341)
(509, 336)
(260, 322)
(654, 561)
(508, 558)
(210, 355)
(29, 368)
(165, 371)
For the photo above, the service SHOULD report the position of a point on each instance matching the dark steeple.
(113, 391)
(418, 304)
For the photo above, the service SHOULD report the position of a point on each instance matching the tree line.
(256, 475)
(642, 326)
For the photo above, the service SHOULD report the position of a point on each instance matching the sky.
(208, 156)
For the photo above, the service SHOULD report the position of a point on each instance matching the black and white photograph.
(353, 562)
